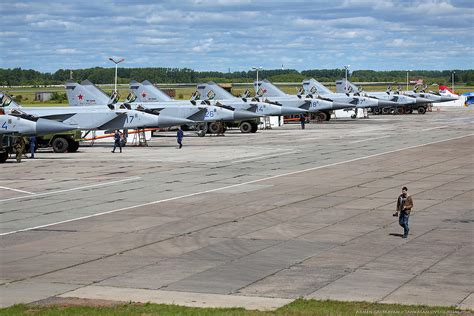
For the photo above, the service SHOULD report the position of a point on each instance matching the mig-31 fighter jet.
(403, 102)
(217, 95)
(209, 114)
(313, 88)
(319, 107)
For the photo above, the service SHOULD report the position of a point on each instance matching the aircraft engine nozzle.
(44, 126)
(168, 121)
(385, 103)
(290, 110)
(341, 105)
(245, 115)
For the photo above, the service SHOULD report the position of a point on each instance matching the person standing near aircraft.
(19, 148)
(32, 146)
(179, 137)
(117, 140)
(404, 206)
(302, 120)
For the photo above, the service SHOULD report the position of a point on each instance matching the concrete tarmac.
(253, 221)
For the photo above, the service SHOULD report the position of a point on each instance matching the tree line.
(99, 75)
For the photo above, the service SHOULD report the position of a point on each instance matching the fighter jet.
(90, 117)
(320, 107)
(29, 126)
(446, 92)
(88, 97)
(313, 88)
(217, 96)
(146, 95)
(432, 96)
(404, 102)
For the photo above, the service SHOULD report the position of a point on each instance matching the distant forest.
(98, 75)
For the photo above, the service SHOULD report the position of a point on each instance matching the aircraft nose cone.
(44, 126)
(423, 100)
(341, 105)
(168, 121)
(287, 110)
(385, 103)
(245, 115)
(447, 99)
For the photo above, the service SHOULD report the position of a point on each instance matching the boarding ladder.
(266, 122)
(90, 134)
(139, 138)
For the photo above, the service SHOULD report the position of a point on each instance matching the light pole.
(346, 68)
(452, 81)
(407, 78)
(116, 62)
(257, 69)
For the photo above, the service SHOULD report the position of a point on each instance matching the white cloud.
(66, 51)
(155, 41)
(205, 47)
(215, 35)
(57, 24)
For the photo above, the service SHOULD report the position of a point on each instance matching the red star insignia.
(80, 96)
(143, 94)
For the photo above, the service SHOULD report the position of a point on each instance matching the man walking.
(117, 140)
(302, 120)
(404, 206)
(32, 146)
(179, 137)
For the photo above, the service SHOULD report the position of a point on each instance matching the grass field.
(182, 93)
(297, 308)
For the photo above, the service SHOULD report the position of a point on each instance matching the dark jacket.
(407, 206)
(117, 137)
(179, 134)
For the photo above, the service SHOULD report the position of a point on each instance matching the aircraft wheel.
(321, 116)
(73, 146)
(353, 116)
(254, 128)
(421, 110)
(60, 145)
(201, 130)
(399, 110)
(214, 127)
(245, 127)
(328, 116)
(409, 111)
(386, 110)
(3, 157)
(376, 111)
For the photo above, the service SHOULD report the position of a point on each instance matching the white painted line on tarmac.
(432, 128)
(191, 299)
(17, 190)
(231, 186)
(369, 139)
(267, 156)
(72, 189)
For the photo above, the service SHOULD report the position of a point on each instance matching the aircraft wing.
(58, 117)
(117, 122)
(199, 116)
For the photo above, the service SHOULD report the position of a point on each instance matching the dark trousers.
(32, 149)
(179, 143)
(302, 125)
(119, 144)
(403, 221)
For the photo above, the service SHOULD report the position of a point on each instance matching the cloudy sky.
(237, 34)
